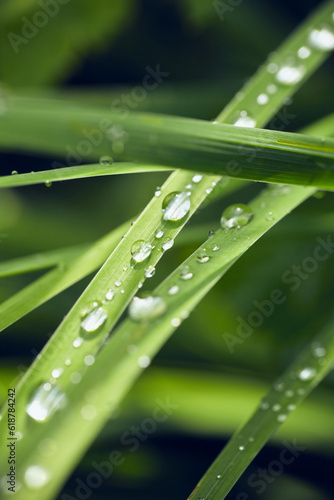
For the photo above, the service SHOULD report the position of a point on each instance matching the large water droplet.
(245, 121)
(322, 39)
(197, 178)
(110, 295)
(186, 274)
(140, 251)
(147, 308)
(307, 373)
(46, 400)
(304, 52)
(167, 243)
(175, 206)
(36, 477)
(173, 290)
(94, 318)
(150, 272)
(159, 234)
(262, 99)
(144, 361)
(290, 75)
(203, 257)
(236, 216)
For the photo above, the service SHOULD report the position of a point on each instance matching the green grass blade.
(80, 172)
(301, 377)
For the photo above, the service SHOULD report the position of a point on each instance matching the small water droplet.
(215, 248)
(110, 295)
(262, 99)
(159, 234)
(291, 407)
(175, 206)
(167, 243)
(264, 405)
(245, 121)
(307, 373)
(173, 290)
(279, 386)
(186, 274)
(147, 308)
(281, 417)
(211, 233)
(68, 362)
(289, 394)
(237, 215)
(241, 448)
(93, 318)
(209, 190)
(188, 186)
(48, 183)
(118, 283)
(276, 407)
(219, 476)
(14, 172)
(46, 400)
(88, 412)
(304, 52)
(144, 361)
(203, 257)
(197, 178)
(157, 192)
(150, 272)
(271, 89)
(319, 352)
(272, 68)
(77, 342)
(140, 251)
(106, 160)
(322, 39)
(89, 360)
(175, 322)
(290, 75)
(36, 477)
(57, 372)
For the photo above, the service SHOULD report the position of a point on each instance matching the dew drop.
(175, 322)
(203, 257)
(262, 99)
(140, 251)
(290, 75)
(46, 400)
(57, 372)
(307, 373)
(209, 190)
(173, 290)
(88, 412)
(48, 184)
(322, 39)
(144, 361)
(167, 243)
(197, 178)
(159, 234)
(291, 407)
(188, 186)
(77, 342)
(276, 407)
(281, 417)
(186, 274)
(106, 160)
(264, 405)
(147, 308)
(68, 362)
(118, 283)
(14, 172)
(289, 394)
(272, 68)
(157, 192)
(89, 360)
(110, 295)
(245, 121)
(211, 233)
(215, 248)
(271, 89)
(241, 448)
(36, 477)
(94, 318)
(236, 216)
(319, 352)
(150, 272)
(175, 206)
(304, 52)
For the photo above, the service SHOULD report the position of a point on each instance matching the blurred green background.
(97, 52)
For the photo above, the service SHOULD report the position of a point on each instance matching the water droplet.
(281, 417)
(290, 75)
(215, 248)
(159, 234)
(94, 318)
(307, 373)
(319, 352)
(167, 243)
(150, 272)
(88, 412)
(272, 88)
(46, 400)
(279, 386)
(68, 362)
(203, 257)
(173, 290)
(245, 121)
(219, 476)
(236, 216)
(125, 268)
(14, 172)
(140, 251)
(289, 394)
(322, 39)
(276, 407)
(36, 477)
(118, 283)
(144, 361)
(175, 206)
(175, 322)
(188, 186)
(75, 377)
(48, 184)
(106, 160)
(272, 68)
(211, 233)
(110, 295)
(262, 99)
(157, 192)
(186, 274)
(89, 360)
(304, 52)
(57, 372)
(197, 178)
(147, 308)
(291, 407)
(241, 448)
(264, 405)
(209, 190)
(77, 342)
